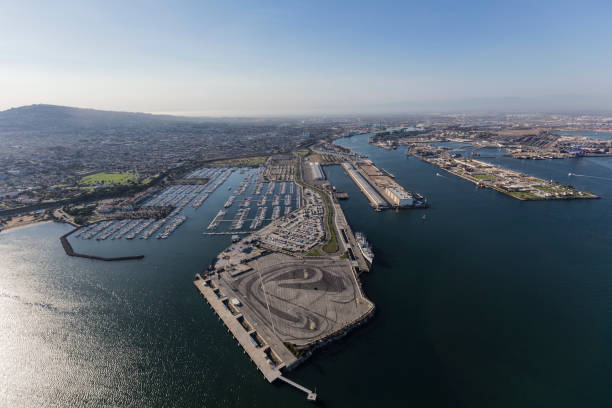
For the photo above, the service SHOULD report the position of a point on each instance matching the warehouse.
(399, 197)
(316, 171)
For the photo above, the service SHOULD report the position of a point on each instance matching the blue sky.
(260, 57)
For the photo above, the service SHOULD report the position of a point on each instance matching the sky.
(233, 58)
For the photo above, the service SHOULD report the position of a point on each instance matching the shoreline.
(26, 224)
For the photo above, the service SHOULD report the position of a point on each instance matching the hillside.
(61, 118)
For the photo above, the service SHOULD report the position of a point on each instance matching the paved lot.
(300, 300)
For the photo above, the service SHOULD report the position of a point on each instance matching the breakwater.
(70, 251)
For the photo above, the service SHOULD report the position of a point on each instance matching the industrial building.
(399, 197)
(316, 171)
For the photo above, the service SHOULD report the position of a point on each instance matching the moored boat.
(365, 247)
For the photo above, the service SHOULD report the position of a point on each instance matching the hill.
(60, 118)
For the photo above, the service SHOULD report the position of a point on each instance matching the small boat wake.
(440, 175)
(585, 175)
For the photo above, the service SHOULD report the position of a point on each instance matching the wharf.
(376, 199)
(267, 359)
(346, 238)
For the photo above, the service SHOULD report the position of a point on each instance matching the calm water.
(488, 301)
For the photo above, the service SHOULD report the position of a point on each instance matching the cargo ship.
(365, 247)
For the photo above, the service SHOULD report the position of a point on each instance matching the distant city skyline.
(261, 58)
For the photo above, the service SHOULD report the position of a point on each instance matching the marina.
(174, 199)
(172, 225)
(154, 227)
(229, 201)
(125, 229)
(259, 218)
(240, 218)
(114, 227)
(139, 229)
(252, 190)
(215, 222)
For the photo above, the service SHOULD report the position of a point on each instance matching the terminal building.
(399, 197)
(316, 171)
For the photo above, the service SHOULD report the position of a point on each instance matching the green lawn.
(241, 161)
(147, 180)
(332, 245)
(484, 177)
(313, 252)
(108, 178)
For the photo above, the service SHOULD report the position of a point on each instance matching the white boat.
(365, 247)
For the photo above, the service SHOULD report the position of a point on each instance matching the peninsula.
(292, 286)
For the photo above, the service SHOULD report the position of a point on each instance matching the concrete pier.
(310, 396)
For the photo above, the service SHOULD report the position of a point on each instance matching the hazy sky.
(259, 57)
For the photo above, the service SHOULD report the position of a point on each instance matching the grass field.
(108, 178)
(240, 162)
(491, 177)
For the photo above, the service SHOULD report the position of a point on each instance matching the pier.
(310, 396)
(365, 186)
(380, 187)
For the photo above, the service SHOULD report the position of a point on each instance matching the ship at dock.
(365, 247)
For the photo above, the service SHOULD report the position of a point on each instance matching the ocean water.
(487, 301)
